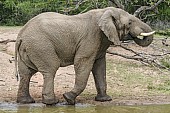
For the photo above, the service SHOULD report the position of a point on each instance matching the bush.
(18, 12)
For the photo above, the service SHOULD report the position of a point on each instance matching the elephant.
(51, 40)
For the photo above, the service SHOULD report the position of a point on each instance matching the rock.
(10, 48)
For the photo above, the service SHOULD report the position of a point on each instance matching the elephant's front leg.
(83, 67)
(99, 73)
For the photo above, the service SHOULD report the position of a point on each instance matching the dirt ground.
(136, 94)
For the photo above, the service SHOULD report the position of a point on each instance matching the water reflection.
(81, 108)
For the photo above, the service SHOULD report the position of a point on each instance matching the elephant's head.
(117, 24)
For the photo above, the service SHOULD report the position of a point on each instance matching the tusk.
(147, 34)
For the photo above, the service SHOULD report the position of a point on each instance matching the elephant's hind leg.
(48, 96)
(25, 73)
(47, 63)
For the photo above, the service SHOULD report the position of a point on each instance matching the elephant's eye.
(130, 21)
(127, 27)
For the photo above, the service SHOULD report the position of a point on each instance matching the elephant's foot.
(25, 100)
(70, 97)
(49, 101)
(102, 98)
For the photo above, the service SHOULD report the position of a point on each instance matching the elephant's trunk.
(146, 41)
(147, 34)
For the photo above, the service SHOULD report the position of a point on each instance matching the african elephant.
(51, 40)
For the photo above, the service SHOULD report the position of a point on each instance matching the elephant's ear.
(107, 25)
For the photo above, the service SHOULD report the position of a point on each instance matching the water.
(81, 108)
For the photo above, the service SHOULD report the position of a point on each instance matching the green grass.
(130, 78)
(163, 32)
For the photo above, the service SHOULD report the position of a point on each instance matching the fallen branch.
(125, 56)
(7, 41)
(145, 58)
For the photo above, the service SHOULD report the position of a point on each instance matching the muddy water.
(81, 108)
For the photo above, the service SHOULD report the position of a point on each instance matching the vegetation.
(142, 80)
(18, 12)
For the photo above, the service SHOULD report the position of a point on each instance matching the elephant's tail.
(17, 45)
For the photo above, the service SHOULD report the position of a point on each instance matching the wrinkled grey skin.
(52, 40)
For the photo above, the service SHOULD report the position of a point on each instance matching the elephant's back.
(50, 15)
